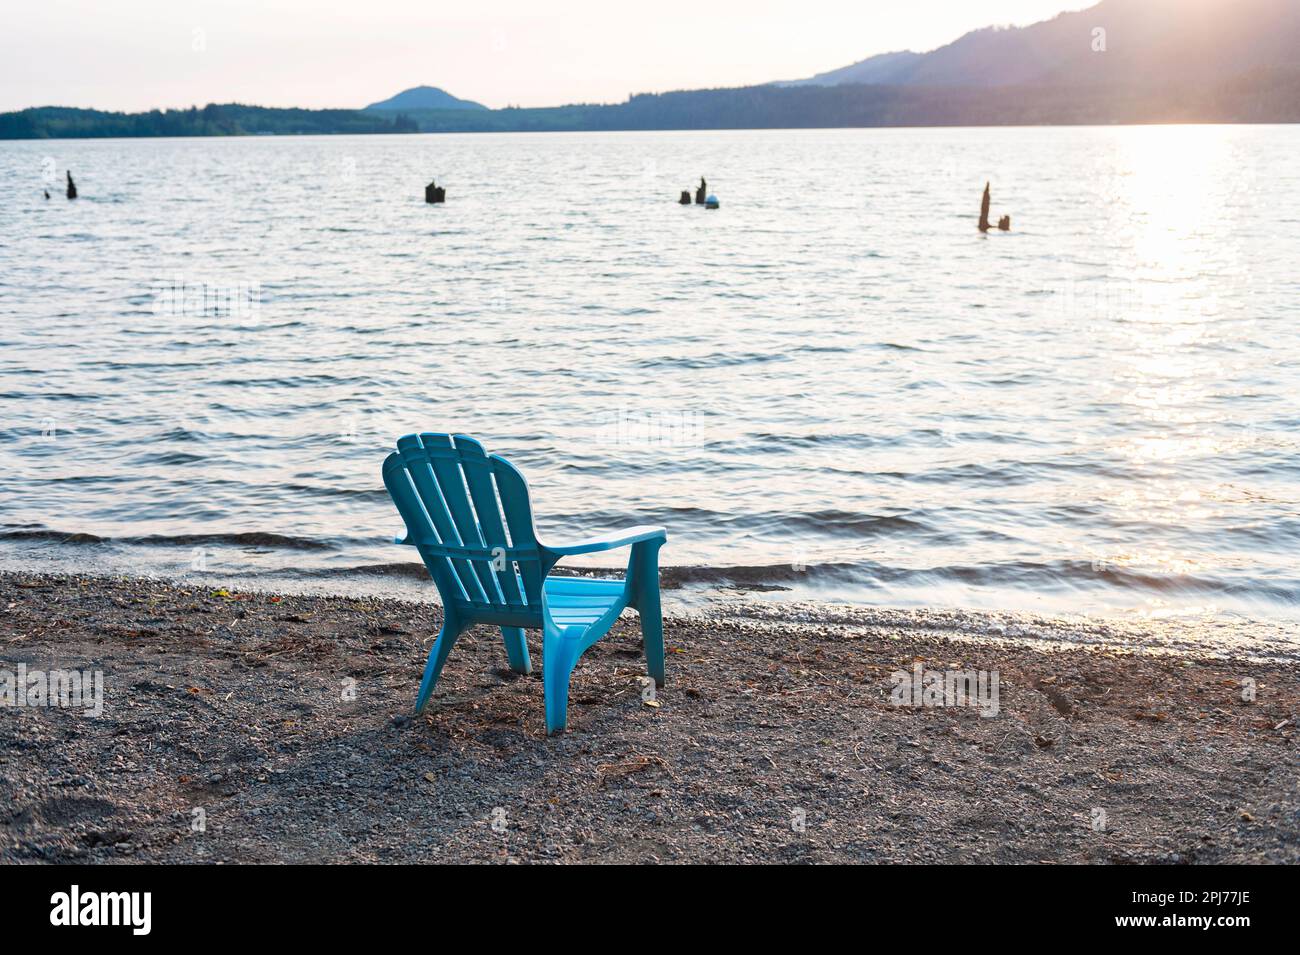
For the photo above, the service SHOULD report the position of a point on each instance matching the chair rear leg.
(517, 649)
(437, 657)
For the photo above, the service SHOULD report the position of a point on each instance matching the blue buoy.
(711, 202)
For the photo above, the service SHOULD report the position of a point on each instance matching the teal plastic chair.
(453, 497)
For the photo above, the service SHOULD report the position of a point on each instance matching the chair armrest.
(592, 545)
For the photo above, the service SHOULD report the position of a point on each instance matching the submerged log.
(686, 197)
(72, 187)
(1005, 223)
(434, 193)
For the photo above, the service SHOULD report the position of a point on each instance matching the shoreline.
(775, 739)
(774, 594)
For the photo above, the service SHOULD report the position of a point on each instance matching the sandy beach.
(251, 727)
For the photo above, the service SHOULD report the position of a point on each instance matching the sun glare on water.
(1172, 206)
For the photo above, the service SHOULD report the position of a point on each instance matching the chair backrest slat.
(398, 481)
(452, 496)
(445, 459)
(513, 492)
(482, 490)
(423, 477)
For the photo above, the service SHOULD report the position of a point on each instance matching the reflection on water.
(834, 384)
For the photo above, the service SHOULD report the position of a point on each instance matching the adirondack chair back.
(469, 516)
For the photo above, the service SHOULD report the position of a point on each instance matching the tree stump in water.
(434, 193)
(1004, 224)
(72, 187)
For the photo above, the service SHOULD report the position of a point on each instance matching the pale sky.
(139, 54)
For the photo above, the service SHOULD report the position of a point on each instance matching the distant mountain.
(884, 69)
(1265, 96)
(425, 97)
(1147, 43)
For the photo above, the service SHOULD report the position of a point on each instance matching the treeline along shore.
(1265, 96)
(231, 119)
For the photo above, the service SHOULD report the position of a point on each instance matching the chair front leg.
(451, 630)
(644, 571)
(559, 654)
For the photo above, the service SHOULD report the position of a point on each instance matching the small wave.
(248, 539)
(716, 360)
(854, 524)
(758, 576)
(821, 350)
(414, 571)
(59, 536)
(1073, 575)
(171, 458)
(379, 494)
(852, 441)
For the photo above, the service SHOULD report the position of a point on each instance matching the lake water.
(833, 384)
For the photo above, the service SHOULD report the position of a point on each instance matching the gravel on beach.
(251, 727)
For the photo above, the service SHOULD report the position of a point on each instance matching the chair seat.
(581, 601)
